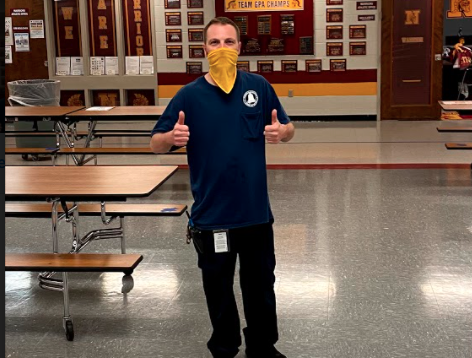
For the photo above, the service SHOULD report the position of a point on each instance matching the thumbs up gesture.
(180, 133)
(275, 131)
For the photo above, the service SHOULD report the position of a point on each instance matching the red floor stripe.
(364, 166)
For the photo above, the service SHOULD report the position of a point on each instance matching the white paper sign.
(8, 55)
(97, 66)
(8, 32)
(146, 65)
(22, 42)
(99, 108)
(62, 66)
(132, 65)
(76, 66)
(111, 65)
(36, 29)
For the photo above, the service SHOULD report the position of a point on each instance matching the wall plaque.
(174, 35)
(287, 24)
(196, 51)
(173, 19)
(195, 18)
(289, 66)
(241, 22)
(357, 48)
(195, 4)
(357, 31)
(337, 65)
(334, 49)
(243, 66)
(194, 68)
(334, 32)
(172, 4)
(264, 24)
(306, 45)
(265, 66)
(334, 15)
(252, 46)
(195, 35)
(174, 51)
(313, 65)
(276, 46)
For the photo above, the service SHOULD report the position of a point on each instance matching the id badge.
(220, 238)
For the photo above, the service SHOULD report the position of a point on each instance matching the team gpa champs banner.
(263, 5)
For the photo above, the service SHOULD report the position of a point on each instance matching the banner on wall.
(263, 5)
(137, 22)
(102, 29)
(459, 8)
(67, 27)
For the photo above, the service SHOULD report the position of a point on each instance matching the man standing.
(224, 118)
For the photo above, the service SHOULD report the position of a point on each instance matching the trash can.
(34, 93)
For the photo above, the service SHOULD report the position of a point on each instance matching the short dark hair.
(220, 21)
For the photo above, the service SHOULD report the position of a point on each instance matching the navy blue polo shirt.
(226, 149)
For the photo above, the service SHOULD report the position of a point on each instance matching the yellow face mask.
(223, 67)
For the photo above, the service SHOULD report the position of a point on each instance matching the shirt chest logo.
(250, 98)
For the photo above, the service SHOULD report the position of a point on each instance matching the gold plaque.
(265, 66)
(334, 49)
(334, 32)
(289, 66)
(337, 65)
(276, 45)
(313, 66)
(357, 31)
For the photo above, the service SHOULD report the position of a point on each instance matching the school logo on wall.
(412, 17)
(459, 8)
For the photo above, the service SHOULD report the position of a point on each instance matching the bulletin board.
(302, 36)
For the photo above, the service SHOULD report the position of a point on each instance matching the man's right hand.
(180, 133)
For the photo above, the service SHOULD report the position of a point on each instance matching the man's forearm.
(160, 142)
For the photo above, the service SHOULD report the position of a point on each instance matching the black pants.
(255, 246)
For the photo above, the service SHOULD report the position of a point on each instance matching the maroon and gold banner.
(67, 28)
(106, 97)
(72, 98)
(140, 98)
(458, 9)
(102, 29)
(137, 22)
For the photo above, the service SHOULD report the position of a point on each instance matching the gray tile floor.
(370, 264)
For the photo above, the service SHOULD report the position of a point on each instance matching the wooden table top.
(55, 111)
(83, 182)
(456, 105)
(142, 112)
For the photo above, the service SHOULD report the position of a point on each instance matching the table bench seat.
(72, 262)
(43, 210)
(115, 150)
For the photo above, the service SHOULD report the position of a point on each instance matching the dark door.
(26, 65)
(411, 73)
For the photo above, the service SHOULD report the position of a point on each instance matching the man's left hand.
(275, 132)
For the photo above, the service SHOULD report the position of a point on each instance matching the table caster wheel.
(127, 283)
(69, 328)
